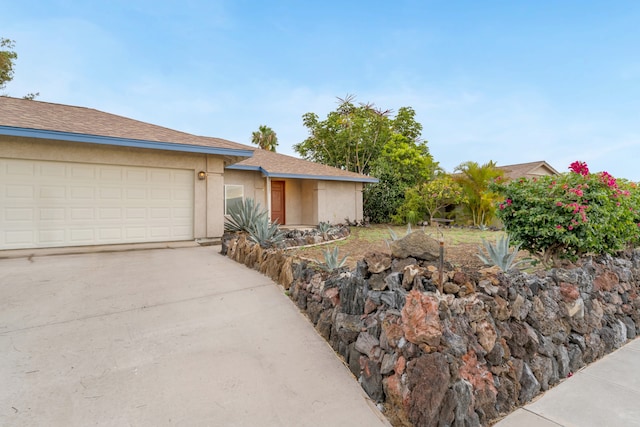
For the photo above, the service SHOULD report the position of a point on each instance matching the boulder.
(417, 245)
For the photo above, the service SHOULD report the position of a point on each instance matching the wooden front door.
(277, 202)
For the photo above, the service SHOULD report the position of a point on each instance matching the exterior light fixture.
(202, 175)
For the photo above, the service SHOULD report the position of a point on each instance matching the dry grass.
(461, 244)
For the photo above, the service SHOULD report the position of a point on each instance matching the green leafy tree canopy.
(7, 60)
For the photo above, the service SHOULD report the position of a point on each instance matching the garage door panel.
(48, 204)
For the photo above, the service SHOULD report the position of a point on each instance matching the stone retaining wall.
(486, 345)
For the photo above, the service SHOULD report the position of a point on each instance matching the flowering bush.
(566, 216)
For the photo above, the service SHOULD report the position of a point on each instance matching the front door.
(277, 202)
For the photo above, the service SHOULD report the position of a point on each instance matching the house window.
(233, 196)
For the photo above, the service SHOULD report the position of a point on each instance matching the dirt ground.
(363, 240)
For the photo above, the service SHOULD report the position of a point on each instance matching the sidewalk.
(605, 393)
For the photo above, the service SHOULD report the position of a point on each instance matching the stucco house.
(75, 176)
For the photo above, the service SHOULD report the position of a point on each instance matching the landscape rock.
(416, 245)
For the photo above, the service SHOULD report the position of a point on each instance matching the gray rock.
(393, 281)
(529, 384)
(366, 344)
(371, 379)
(388, 363)
(563, 360)
(465, 416)
(348, 327)
(416, 245)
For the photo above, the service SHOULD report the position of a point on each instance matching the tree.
(475, 180)
(370, 141)
(350, 138)
(7, 58)
(428, 199)
(265, 138)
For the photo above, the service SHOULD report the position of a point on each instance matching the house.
(528, 170)
(75, 176)
(296, 191)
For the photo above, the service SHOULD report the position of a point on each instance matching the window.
(233, 196)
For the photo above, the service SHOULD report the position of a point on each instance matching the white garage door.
(53, 204)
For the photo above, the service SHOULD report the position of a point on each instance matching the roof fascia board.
(301, 176)
(121, 142)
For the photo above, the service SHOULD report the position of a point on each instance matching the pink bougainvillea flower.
(558, 226)
(570, 227)
(558, 203)
(509, 202)
(579, 168)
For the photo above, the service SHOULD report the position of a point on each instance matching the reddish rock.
(605, 281)
(333, 294)
(569, 292)
(393, 333)
(477, 373)
(459, 278)
(369, 306)
(397, 402)
(429, 379)
(421, 319)
(487, 335)
(400, 366)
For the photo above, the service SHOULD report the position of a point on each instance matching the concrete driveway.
(163, 337)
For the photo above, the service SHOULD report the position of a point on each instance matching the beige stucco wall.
(208, 194)
(338, 200)
(307, 201)
(253, 182)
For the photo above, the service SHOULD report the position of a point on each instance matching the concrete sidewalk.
(163, 337)
(605, 393)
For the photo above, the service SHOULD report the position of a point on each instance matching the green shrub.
(566, 216)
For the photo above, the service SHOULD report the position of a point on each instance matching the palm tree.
(474, 180)
(265, 138)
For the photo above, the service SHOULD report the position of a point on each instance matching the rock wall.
(486, 345)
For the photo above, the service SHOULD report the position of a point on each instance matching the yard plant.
(567, 216)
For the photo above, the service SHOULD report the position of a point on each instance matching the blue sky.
(509, 81)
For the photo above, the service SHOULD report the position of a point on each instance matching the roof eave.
(121, 142)
(303, 176)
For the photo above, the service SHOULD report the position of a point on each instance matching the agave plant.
(393, 236)
(244, 216)
(323, 228)
(500, 255)
(265, 233)
(332, 259)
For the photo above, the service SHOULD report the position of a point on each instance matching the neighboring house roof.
(528, 170)
(277, 165)
(35, 119)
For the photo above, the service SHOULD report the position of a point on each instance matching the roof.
(36, 119)
(528, 170)
(277, 165)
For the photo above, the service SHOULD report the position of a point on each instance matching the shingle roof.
(528, 170)
(282, 166)
(57, 121)
(45, 116)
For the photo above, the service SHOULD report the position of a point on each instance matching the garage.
(57, 204)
